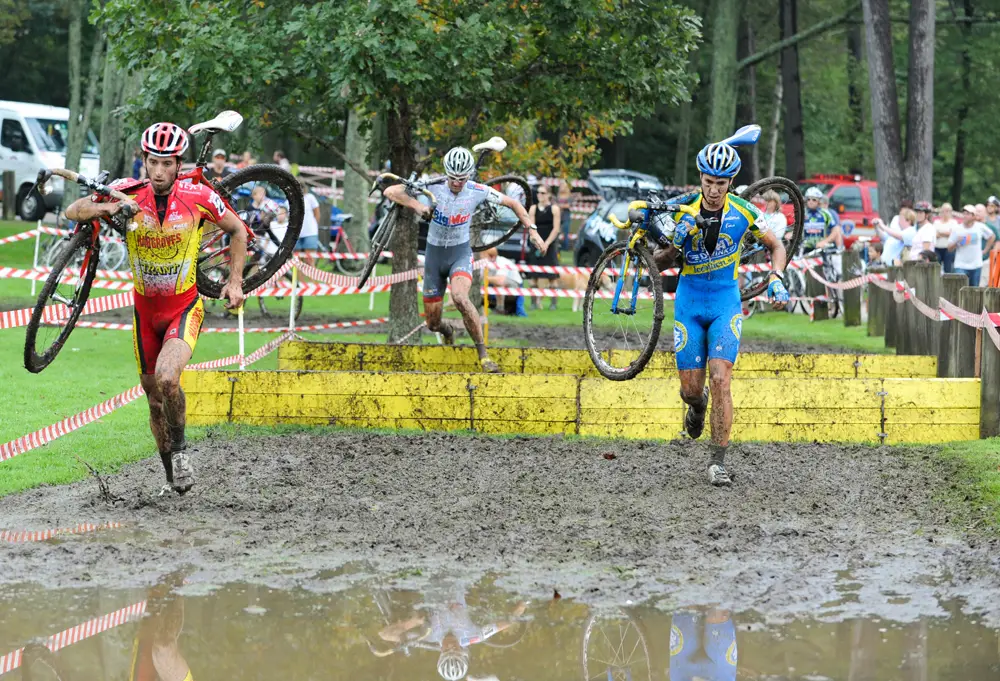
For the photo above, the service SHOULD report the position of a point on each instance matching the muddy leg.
(173, 358)
(432, 313)
(721, 374)
(158, 421)
(460, 287)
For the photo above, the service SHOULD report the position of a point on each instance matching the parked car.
(33, 137)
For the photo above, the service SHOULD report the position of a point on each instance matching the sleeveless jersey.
(453, 212)
(720, 268)
(164, 256)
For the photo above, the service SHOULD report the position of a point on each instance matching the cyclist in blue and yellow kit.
(708, 315)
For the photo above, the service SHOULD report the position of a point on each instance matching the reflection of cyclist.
(450, 629)
(702, 646)
(163, 250)
(708, 316)
(156, 655)
(449, 252)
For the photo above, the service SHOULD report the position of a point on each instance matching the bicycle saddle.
(496, 144)
(227, 121)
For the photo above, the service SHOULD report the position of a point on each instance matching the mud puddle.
(385, 627)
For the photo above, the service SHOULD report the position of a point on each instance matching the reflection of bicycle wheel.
(615, 648)
(509, 637)
(38, 663)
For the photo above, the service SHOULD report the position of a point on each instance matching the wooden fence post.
(930, 293)
(989, 374)
(851, 267)
(9, 195)
(877, 305)
(963, 341)
(892, 313)
(907, 339)
(951, 284)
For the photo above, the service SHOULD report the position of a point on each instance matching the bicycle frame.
(638, 234)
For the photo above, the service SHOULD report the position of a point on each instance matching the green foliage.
(38, 74)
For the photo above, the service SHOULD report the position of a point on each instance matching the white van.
(33, 137)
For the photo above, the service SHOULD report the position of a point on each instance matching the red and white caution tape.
(23, 236)
(266, 329)
(98, 625)
(26, 536)
(55, 231)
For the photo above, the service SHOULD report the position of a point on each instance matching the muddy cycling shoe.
(447, 333)
(719, 476)
(694, 420)
(183, 472)
(489, 366)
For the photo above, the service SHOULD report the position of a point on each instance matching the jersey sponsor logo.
(174, 216)
(710, 266)
(731, 654)
(723, 248)
(680, 340)
(676, 640)
(736, 324)
(216, 200)
(160, 270)
(195, 320)
(456, 220)
(157, 241)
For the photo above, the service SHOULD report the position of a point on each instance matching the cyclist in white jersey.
(448, 257)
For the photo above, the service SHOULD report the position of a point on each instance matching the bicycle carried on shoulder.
(491, 226)
(68, 285)
(621, 337)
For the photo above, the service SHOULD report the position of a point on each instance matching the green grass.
(975, 489)
(97, 364)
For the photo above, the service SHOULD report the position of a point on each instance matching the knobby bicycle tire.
(35, 361)
(793, 235)
(478, 245)
(594, 285)
(286, 182)
(379, 241)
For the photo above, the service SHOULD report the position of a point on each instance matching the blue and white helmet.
(719, 160)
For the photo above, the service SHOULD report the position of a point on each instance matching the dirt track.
(596, 520)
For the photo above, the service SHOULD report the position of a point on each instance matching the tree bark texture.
(885, 108)
(356, 187)
(403, 313)
(725, 33)
(795, 149)
(964, 95)
(746, 110)
(855, 61)
(772, 154)
(118, 88)
(920, 102)
(681, 160)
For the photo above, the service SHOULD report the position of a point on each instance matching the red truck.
(854, 198)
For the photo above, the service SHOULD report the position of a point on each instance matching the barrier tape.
(26, 536)
(55, 231)
(98, 625)
(23, 236)
(112, 326)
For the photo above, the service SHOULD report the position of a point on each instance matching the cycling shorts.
(708, 324)
(441, 265)
(700, 649)
(157, 319)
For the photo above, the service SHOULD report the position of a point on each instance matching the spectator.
(897, 238)
(993, 216)
(276, 231)
(281, 160)
(246, 160)
(945, 224)
(926, 256)
(967, 243)
(563, 198)
(502, 273)
(547, 217)
(309, 236)
(824, 204)
(777, 223)
(219, 170)
(138, 167)
(926, 231)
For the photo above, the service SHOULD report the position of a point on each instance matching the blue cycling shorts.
(699, 650)
(708, 324)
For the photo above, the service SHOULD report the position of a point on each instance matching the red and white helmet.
(164, 139)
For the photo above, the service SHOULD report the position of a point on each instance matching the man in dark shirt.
(219, 170)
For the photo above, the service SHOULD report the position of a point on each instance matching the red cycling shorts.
(158, 319)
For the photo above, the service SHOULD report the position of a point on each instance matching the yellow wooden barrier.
(769, 409)
(317, 356)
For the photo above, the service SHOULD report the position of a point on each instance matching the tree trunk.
(958, 173)
(356, 187)
(795, 147)
(403, 314)
(775, 123)
(854, 65)
(885, 108)
(76, 129)
(681, 160)
(118, 87)
(725, 33)
(755, 149)
(919, 166)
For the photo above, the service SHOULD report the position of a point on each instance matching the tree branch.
(814, 30)
(327, 144)
(463, 134)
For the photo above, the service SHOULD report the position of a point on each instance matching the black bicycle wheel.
(281, 188)
(43, 341)
(379, 241)
(621, 338)
(753, 251)
(489, 229)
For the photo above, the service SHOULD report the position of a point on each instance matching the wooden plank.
(539, 386)
(543, 361)
(941, 416)
(515, 409)
(925, 393)
(348, 383)
(351, 407)
(886, 366)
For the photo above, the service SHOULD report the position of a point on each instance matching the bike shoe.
(694, 420)
(719, 476)
(183, 472)
(447, 334)
(489, 366)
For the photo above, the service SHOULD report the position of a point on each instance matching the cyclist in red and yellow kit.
(163, 251)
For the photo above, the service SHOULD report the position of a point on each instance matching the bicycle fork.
(620, 284)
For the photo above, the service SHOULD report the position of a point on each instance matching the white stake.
(34, 266)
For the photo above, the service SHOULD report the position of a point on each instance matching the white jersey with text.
(453, 212)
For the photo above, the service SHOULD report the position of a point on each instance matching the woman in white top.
(926, 231)
(945, 224)
(967, 244)
(896, 238)
(776, 220)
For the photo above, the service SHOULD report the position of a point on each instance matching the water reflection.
(447, 629)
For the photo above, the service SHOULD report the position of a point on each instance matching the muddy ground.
(853, 528)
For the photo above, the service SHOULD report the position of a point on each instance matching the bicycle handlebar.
(93, 185)
(655, 206)
(409, 184)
